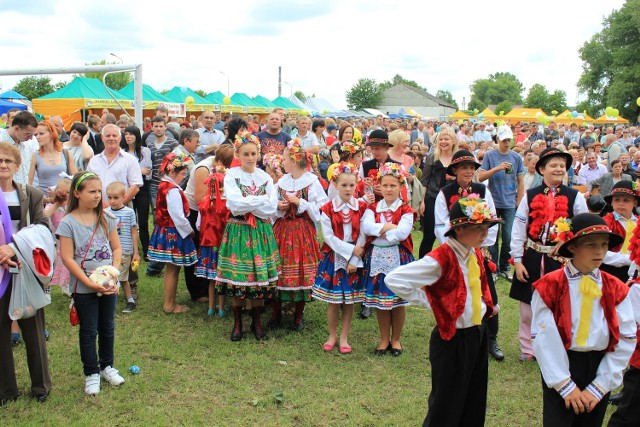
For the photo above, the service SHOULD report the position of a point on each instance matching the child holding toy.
(88, 240)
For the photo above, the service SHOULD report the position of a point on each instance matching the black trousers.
(37, 359)
(628, 412)
(583, 367)
(141, 207)
(197, 286)
(459, 374)
(493, 323)
(428, 226)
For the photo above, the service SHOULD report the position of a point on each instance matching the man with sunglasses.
(20, 134)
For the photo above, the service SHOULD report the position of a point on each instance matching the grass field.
(191, 374)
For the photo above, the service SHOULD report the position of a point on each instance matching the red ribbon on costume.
(168, 158)
(250, 219)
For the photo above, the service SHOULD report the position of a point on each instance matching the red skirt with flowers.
(299, 253)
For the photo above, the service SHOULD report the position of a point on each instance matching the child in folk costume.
(350, 152)
(172, 239)
(248, 258)
(273, 166)
(388, 223)
(623, 199)
(300, 196)
(532, 247)
(463, 166)
(451, 280)
(338, 281)
(212, 218)
(583, 329)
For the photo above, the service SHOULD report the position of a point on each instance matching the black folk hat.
(550, 152)
(588, 224)
(462, 156)
(378, 137)
(471, 210)
(623, 188)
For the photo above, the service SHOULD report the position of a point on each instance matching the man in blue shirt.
(505, 171)
(481, 135)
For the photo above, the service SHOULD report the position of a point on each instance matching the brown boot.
(236, 333)
(256, 324)
(298, 324)
(276, 315)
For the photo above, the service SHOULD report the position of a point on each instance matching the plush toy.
(105, 276)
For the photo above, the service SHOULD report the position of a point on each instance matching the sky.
(322, 47)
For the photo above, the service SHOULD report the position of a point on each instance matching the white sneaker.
(92, 384)
(111, 376)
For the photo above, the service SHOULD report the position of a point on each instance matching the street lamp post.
(225, 74)
(117, 57)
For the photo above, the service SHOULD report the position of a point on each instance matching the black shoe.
(236, 333)
(365, 313)
(615, 399)
(382, 351)
(495, 351)
(7, 400)
(299, 326)
(131, 306)
(273, 324)
(395, 352)
(41, 398)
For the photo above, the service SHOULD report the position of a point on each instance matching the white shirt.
(442, 219)
(309, 140)
(519, 230)
(176, 209)
(408, 280)
(190, 191)
(316, 195)
(123, 168)
(617, 259)
(263, 206)
(27, 148)
(344, 247)
(550, 351)
(208, 137)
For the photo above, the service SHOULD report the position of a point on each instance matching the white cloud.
(323, 47)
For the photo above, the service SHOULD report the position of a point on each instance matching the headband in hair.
(82, 178)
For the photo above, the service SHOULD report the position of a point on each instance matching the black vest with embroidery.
(563, 190)
(450, 191)
(374, 165)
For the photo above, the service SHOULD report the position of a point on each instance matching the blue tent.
(6, 106)
(11, 94)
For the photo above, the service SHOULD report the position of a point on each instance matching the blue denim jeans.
(96, 316)
(507, 215)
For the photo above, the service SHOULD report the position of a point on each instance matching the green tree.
(445, 95)
(557, 101)
(540, 97)
(494, 89)
(398, 79)
(365, 93)
(115, 81)
(300, 95)
(504, 106)
(610, 69)
(201, 92)
(34, 86)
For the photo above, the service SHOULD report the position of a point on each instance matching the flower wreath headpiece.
(393, 169)
(560, 231)
(245, 138)
(475, 208)
(274, 161)
(350, 147)
(344, 167)
(297, 153)
(172, 161)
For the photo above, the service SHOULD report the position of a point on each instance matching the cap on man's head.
(504, 132)
(331, 127)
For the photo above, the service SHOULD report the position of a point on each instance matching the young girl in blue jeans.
(89, 239)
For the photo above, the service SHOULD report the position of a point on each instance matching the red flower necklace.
(541, 211)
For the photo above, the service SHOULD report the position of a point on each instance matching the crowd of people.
(241, 203)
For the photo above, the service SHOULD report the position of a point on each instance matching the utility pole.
(279, 80)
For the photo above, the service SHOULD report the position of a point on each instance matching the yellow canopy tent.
(487, 114)
(523, 115)
(566, 117)
(608, 119)
(459, 115)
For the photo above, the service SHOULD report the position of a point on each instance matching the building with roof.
(402, 96)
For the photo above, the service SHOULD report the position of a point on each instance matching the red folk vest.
(554, 291)
(615, 227)
(337, 222)
(448, 295)
(163, 219)
(395, 219)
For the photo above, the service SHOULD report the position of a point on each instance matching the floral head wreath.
(560, 231)
(475, 208)
(274, 161)
(245, 138)
(172, 161)
(297, 153)
(393, 169)
(344, 167)
(350, 147)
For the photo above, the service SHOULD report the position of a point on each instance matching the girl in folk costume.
(300, 196)
(388, 223)
(248, 258)
(583, 328)
(172, 238)
(212, 218)
(338, 281)
(350, 152)
(624, 199)
(463, 166)
(532, 242)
